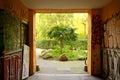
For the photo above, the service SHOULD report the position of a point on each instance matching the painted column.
(32, 42)
(94, 43)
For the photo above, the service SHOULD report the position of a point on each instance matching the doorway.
(62, 69)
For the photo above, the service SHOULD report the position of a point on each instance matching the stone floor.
(59, 67)
(38, 76)
(56, 70)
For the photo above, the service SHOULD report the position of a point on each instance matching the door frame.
(32, 33)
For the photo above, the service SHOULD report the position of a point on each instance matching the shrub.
(78, 44)
(62, 34)
(56, 52)
(49, 44)
(46, 44)
(71, 54)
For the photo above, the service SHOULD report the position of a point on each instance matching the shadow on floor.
(57, 70)
(39, 76)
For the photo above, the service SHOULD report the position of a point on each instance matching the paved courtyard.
(38, 76)
(57, 70)
(53, 66)
(56, 66)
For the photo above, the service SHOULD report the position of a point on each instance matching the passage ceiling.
(65, 4)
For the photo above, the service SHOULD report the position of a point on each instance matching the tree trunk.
(61, 46)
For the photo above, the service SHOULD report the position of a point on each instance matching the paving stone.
(38, 76)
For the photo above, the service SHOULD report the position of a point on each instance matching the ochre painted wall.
(98, 17)
(110, 9)
(111, 41)
(24, 14)
(1, 4)
(32, 41)
(61, 11)
(94, 43)
(89, 44)
(16, 8)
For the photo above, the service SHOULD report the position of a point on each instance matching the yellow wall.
(110, 9)
(94, 56)
(16, 8)
(32, 43)
(1, 4)
(111, 40)
(94, 43)
(61, 11)
(89, 44)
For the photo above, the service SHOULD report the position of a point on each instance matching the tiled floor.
(38, 76)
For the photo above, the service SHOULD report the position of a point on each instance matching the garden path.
(56, 66)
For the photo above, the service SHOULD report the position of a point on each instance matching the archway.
(32, 35)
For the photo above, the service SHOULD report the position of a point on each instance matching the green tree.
(62, 34)
(80, 22)
(45, 21)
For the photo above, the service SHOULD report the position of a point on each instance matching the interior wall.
(1, 4)
(10, 51)
(94, 57)
(16, 8)
(111, 41)
(32, 41)
(96, 42)
(89, 43)
(9, 32)
(110, 9)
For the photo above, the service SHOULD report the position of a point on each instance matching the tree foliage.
(46, 21)
(62, 34)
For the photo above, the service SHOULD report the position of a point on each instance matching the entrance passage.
(57, 70)
(39, 76)
(61, 42)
